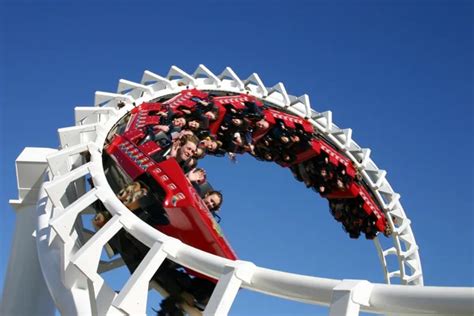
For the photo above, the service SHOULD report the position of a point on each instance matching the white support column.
(254, 80)
(211, 77)
(228, 286)
(133, 89)
(57, 187)
(64, 222)
(63, 161)
(229, 75)
(133, 296)
(25, 291)
(84, 115)
(156, 82)
(88, 257)
(111, 99)
(185, 77)
(75, 135)
(348, 296)
(278, 92)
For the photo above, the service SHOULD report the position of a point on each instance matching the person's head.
(179, 121)
(262, 124)
(100, 219)
(194, 125)
(187, 147)
(237, 121)
(200, 153)
(287, 157)
(210, 144)
(268, 156)
(295, 138)
(201, 175)
(213, 200)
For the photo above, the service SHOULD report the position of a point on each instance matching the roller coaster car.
(171, 192)
(341, 183)
(242, 104)
(161, 195)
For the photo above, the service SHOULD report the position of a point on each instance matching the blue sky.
(399, 73)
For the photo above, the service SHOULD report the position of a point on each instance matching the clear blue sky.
(399, 73)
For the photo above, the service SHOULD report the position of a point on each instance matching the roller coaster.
(129, 162)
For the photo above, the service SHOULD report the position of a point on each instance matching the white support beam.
(183, 76)
(224, 294)
(305, 100)
(90, 115)
(254, 80)
(395, 197)
(23, 275)
(365, 158)
(348, 296)
(71, 277)
(75, 135)
(101, 298)
(57, 187)
(407, 279)
(60, 162)
(344, 136)
(278, 92)
(404, 225)
(325, 120)
(390, 251)
(64, 222)
(303, 104)
(297, 107)
(111, 99)
(135, 90)
(228, 75)
(30, 167)
(210, 77)
(381, 177)
(88, 256)
(228, 286)
(133, 296)
(409, 252)
(156, 82)
(394, 274)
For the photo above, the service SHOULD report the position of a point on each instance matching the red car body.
(189, 219)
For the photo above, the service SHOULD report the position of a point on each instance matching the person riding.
(181, 149)
(213, 200)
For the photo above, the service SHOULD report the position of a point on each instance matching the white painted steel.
(71, 265)
(349, 296)
(24, 291)
(132, 298)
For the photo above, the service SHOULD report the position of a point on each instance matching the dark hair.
(201, 155)
(221, 198)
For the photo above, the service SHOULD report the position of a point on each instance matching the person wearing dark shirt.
(181, 149)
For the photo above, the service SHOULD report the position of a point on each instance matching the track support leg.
(348, 296)
(228, 286)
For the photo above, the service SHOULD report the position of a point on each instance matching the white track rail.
(71, 265)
